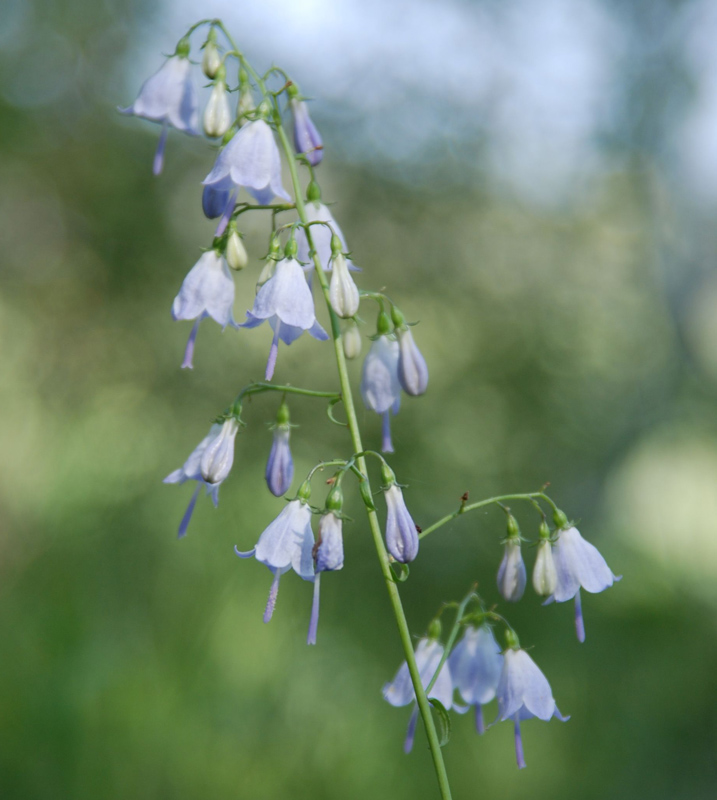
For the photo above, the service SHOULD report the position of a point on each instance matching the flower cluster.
(308, 255)
(479, 672)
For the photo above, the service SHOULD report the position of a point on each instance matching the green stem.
(347, 396)
(464, 509)
(452, 637)
(256, 388)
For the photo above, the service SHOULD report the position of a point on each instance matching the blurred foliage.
(564, 346)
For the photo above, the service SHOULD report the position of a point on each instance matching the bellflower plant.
(169, 97)
(578, 564)
(523, 692)
(285, 300)
(280, 466)
(304, 240)
(476, 664)
(400, 691)
(251, 159)
(207, 291)
(307, 139)
(208, 464)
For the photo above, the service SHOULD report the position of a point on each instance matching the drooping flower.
(250, 159)
(209, 464)
(207, 291)
(320, 235)
(217, 115)
(330, 550)
(578, 565)
(545, 575)
(287, 543)
(400, 692)
(523, 692)
(380, 389)
(211, 61)
(412, 369)
(216, 201)
(401, 533)
(280, 466)
(343, 292)
(286, 301)
(307, 139)
(511, 573)
(170, 98)
(476, 663)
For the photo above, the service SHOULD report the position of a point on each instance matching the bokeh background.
(537, 184)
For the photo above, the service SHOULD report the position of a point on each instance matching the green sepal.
(183, 47)
(434, 628)
(313, 192)
(383, 324)
(282, 416)
(399, 571)
(511, 639)
(366, 495)
(335, 499)
(291, 249)
(388, 476)
(560, 520)
(304, 492)
(444, 721)
(397, 317)
(544, 530)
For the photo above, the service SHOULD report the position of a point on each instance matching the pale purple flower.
(578, 565)
(511, 573)
(168, 97)
(307, 139)
(207, 291)
(476, 663)
(286, 301)
(287, 543)
(209, 464)
(250, 159)
(216, 201)
(380, 389)
(401, 533)
(400, 692)
(320, 236)
(330, 551)
(523, 692)
(280, 466)
(412, 369)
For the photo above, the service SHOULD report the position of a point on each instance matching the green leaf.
(444, 721)
(400, 572)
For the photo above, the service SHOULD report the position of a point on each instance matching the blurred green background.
(535, 183)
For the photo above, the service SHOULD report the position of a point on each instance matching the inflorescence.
(470, 663)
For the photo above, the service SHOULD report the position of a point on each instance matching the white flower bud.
(545, 576)
(511, 575)
(352, 341)
(266, 274)
(211, 60)
(236, 254)
(218, 456)
(217, 115)
(343, 292)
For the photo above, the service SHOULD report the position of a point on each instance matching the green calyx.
(513, 529)
(292, 90)
(434, 629)
(275, 248)
(388, 476)
(335, 500)
(336, 246)
(313, 192)
(511, 639)
(544, 530)
(383, 324)
(282, 416)
(291, 248)
(397, 317)
(183, 48)
(560, 520)
(304, 492)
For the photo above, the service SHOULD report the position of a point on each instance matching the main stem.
(347, 396)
